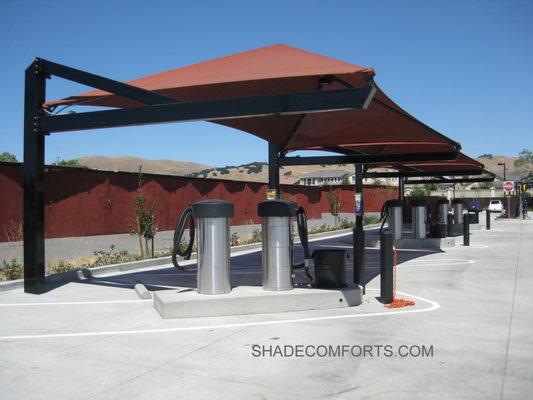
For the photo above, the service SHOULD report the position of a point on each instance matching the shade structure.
(383, 128)
(461, 163)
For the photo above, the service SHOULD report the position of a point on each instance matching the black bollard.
(487, 216)
(387, 273)
(359, 256)
(449, 225)
(466, 229)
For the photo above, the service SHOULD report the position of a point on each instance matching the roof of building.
(325, 174)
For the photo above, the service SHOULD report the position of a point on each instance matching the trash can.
(212, 218)
(330, 268)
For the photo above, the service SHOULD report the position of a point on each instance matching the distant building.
(374, 181)
(322, 178)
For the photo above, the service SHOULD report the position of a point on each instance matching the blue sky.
(463, 67)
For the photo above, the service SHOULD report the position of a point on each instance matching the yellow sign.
(272, 194)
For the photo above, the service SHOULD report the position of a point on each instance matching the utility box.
(330, 268)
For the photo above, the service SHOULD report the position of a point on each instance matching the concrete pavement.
(98, 340)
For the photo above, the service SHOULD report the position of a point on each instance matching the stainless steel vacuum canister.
(419, 218)
(458, 205)
(442, 217)
(395, 219)
(212, 218)
(277, 243)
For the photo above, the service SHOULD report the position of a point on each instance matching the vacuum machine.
(278, 266)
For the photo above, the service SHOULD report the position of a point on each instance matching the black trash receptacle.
(474, 217)
(330, 268)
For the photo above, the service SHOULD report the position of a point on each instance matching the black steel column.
(449, 224)
(487, 219)
(401, 188)
(358, 232)
(34, 258)
(273, 171)
(466, 229)
(387, 265)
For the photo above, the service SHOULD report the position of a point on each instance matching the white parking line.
(433, 306)
(73, 303)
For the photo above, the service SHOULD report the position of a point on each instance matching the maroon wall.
(81, 202)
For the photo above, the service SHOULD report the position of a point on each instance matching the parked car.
(495, 206)
(474, 205)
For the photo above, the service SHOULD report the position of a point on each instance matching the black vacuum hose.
(178, 234)
(301, 220)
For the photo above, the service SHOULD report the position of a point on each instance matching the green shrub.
(68, 163)
(257, 236)
(61, 266)
(370, 219)
(235, 240)
(112, 257)
(320, 229)
(346, 223)
(11, 270)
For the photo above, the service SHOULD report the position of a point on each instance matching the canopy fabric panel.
(461, 163)
(383, 128)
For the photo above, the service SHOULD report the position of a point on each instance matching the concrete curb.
(86, 273)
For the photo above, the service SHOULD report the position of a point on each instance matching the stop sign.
(508, 186)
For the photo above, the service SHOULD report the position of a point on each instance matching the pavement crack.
(160, 367)
(512, 311)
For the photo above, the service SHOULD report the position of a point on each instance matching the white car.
(495, 206)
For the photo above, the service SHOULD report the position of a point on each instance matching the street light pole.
(504, 169)
(504, 194)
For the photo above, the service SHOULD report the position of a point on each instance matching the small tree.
(143, 225)
(524, 163)
(8, 157)
(429, 187)
(334, 205)
(345, 180)
(418, 191)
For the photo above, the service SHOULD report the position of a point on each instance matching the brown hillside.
(131, 164)
(491, 164)
(244, 173)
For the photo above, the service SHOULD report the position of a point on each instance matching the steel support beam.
(34, 259)
(369, 159)
(210, 110)
(273, 170)
(358, 231)
(401, 188)
(142, 96)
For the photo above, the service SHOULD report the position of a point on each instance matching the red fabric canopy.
(383, 128)
(461, 163)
